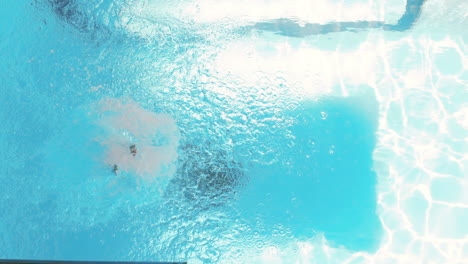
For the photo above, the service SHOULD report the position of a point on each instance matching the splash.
(137, 141)
(79, 161)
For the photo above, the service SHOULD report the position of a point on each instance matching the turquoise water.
(255, 144)
(325, 182)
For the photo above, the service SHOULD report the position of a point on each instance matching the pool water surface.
(263, 131)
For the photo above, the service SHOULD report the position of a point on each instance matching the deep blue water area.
(325, 182)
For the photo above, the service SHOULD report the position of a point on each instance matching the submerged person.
(115, 169)
(133, 152)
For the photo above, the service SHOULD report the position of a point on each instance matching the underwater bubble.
(323, 115)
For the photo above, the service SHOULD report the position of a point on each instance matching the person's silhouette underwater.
(133, 152)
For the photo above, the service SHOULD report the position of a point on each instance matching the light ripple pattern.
(230, 92)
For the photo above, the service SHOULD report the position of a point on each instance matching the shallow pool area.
(234, 131)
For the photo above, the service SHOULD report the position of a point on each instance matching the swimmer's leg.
(115, 169)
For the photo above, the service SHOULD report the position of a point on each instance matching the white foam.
(155, 136)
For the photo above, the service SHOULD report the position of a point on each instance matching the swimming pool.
(266, 131)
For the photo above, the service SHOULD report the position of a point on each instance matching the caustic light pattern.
(228, 132)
